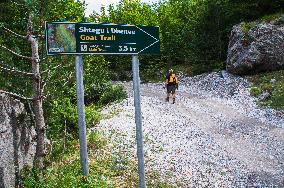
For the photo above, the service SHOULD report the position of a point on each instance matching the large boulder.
(17, 141)
(256, 47)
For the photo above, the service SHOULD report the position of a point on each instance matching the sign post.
(104, 39)
(138, 120)
(81, 115)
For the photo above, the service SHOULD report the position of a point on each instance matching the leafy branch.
(16, 54)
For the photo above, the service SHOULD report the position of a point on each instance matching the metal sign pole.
(81, 115)
(138, 120)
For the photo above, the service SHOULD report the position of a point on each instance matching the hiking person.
(171, 85)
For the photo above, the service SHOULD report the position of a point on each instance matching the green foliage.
(248, 26)
(132, 12)
(106, 169)
(255, 91)
(96, 140)
(64, 169)
(65, 10)
(57, 72)
(153, 73)
(273, 82)
(15, 18)
(126, 11)
(96, 78)
(114, 93)
(92, 115)
(66, 174)
(63, 115)
(193, 33)
(58, 76)
(267, 87)
(61, 109)
(194, 37)
(277, 101)
(271, 17)
(64, 118)
(158, 73)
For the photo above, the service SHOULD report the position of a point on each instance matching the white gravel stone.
(214, 136)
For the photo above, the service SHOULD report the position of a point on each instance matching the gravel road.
(214, 136)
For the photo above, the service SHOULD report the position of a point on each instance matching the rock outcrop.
(17, 141)
(256, 47)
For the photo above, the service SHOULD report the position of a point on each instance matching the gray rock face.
(259, 49)
(17, 141)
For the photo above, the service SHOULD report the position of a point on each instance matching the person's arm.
(167, 80)
(166, 83)
(176, 83)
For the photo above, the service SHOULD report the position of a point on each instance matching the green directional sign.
(106, 38)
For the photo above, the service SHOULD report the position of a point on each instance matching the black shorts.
(171, 89)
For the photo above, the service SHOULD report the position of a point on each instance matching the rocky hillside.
(214, 136)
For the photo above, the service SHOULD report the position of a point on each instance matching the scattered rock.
(264, 96)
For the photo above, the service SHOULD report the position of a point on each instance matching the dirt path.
(205, 141)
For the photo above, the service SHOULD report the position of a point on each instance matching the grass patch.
(255, 91)
(246, 27)
(271, 17)
(106, 168)
(66, 172)
(272, 82)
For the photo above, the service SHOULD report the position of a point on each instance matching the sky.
(95, 5)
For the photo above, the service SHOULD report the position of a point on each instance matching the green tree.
(27, 18)
(194, 33)
(128, 12)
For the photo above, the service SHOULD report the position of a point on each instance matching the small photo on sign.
(61, 38)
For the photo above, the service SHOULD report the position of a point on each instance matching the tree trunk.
(37, 100)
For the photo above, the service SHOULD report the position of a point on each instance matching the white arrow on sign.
(157, 40)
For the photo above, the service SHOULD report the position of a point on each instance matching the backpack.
(172, 79)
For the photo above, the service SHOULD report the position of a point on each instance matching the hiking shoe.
(167, 99)
(174, 100)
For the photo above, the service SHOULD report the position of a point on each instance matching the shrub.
(255, 91)
(277, 102)
(66, 174)
(96, 140)
(276, 89)
(267, 87)
(64, 116)
(114, 93)
(271, 17)
(65, 169)
(248, 26)
(92, 115)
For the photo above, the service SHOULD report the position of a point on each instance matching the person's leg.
(174, 98)
(168, 97)
(174, 94)
(168, 94)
